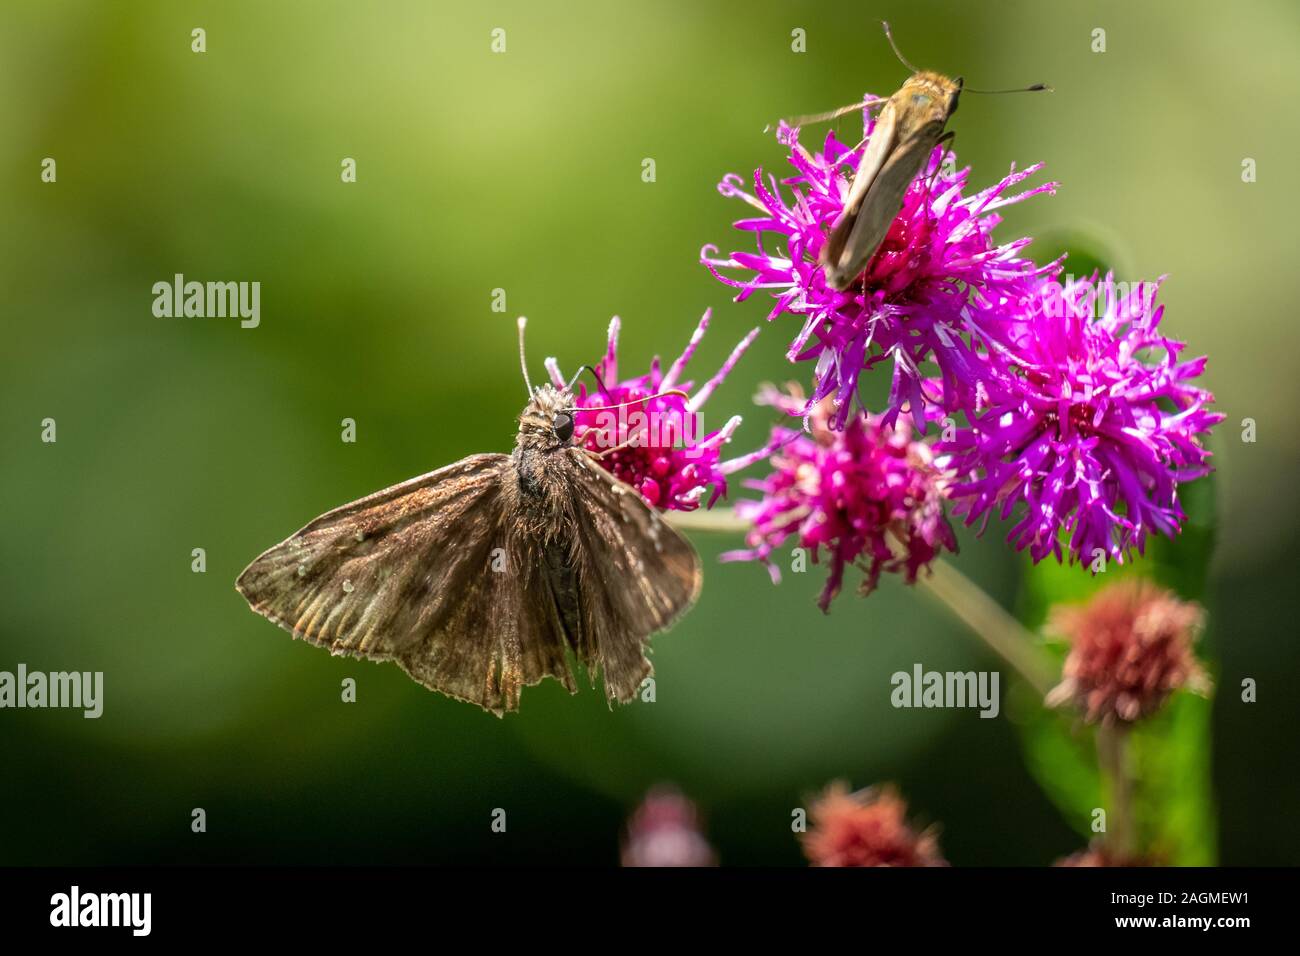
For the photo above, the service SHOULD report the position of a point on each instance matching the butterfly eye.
(563, 426)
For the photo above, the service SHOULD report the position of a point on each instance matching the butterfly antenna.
(594, 374)
(606, 408)
(523, 362)
(897, 52)
(1036, 88)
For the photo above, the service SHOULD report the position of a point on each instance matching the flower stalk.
(988, 621)
(964, 599)
(1112, 755)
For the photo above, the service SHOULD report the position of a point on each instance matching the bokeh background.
(522, 171)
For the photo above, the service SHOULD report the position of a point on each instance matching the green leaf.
(1183, 564)
(1061, 755)
(1173, 802)
(1086, 251)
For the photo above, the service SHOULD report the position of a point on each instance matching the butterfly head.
(547, 419)
(927, 90)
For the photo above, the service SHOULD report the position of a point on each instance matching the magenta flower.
(665, 831)
(938, 289)
(652, 441)
(1101, 427)
(869, 495)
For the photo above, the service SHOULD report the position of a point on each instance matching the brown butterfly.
(909, 126)
(482, 577)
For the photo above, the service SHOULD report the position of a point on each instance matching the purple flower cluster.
(653, 440)
(938, 289)
(868, 495)
(1063, 407)
(1102, 424)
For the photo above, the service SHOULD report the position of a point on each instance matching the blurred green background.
(522, 171)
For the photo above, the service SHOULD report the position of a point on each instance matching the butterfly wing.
(879, 146)
(425, 574)
(636, 575)
(883, 201)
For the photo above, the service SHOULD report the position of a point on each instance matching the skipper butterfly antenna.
(1036, 88)
(607, 408)
(898, 53)
(577, 375)
(523, 362)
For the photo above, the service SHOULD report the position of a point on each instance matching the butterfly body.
(485, 576)
(911, 123)
(541, 485)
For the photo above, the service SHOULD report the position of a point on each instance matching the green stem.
(715, 519)
(1112, 755)
(964, 599)
(987, 620)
